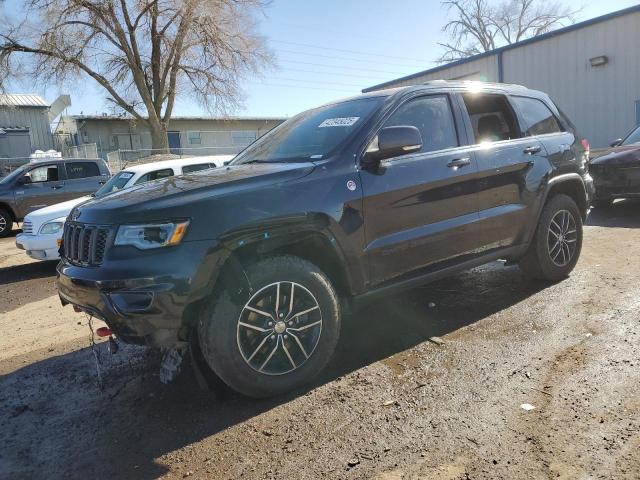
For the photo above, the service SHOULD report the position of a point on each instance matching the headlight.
(51, 227)
(153, 235)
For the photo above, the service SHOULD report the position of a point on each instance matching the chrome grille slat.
(85, 244)
(27, 228)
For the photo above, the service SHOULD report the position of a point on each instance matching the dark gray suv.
(46, 182)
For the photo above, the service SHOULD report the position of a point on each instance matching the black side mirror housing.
(616, 143)
(393, 142)
(24, 180)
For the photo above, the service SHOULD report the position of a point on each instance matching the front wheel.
(557, 243)
(280, 337)
(6, 223)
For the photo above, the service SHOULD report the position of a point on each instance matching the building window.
(243, 138)
(195, 138)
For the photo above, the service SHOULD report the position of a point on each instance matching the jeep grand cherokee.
(255, 263)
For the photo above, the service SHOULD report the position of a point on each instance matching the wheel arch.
(316, 246)
(572, 185)
(6, 207)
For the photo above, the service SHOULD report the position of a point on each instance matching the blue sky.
(329, 49)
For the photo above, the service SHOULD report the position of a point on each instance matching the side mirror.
(392, 142)
(616, 143)
(226, 162)
(24, 180)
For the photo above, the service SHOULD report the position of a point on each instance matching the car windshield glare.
(313, 134)
(115, 183)
(633, 137)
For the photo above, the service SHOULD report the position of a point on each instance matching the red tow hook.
(104, 332)
(77, 309)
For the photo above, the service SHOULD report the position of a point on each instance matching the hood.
(168, 195)
(43, 215)
(625, 155)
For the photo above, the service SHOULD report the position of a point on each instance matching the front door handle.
(532, 149)
(56, 187)
(459, 162)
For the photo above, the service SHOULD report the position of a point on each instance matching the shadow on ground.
(122, 431)
(623, 213)
(57, 423)
(28, 271)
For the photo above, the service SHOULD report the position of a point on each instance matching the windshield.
(633, 137)
(117, 182)
(9, 178)
(311, 135)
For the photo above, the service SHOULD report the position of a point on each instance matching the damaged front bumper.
(143, 299)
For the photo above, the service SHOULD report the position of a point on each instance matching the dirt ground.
(392, 405)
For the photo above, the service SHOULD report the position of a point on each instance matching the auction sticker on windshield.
(339, 122)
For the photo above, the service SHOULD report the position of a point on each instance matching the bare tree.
(144, 53)
(480, 26)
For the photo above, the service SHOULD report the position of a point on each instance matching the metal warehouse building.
(207, 135)
(591, 70)
(24, 125)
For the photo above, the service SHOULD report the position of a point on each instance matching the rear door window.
(77, 170)
(431, 115)
(492, 117)
(155, 175)
(536, 117)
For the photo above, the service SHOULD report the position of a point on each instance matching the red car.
(616, 170)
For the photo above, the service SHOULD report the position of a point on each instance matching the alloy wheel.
(279, 328)
(562, 238)
(3, 224)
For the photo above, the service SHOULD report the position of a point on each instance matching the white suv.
(42, 229)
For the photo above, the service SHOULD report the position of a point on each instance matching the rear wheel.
(557, 243)
(281, 336)
(6, 223)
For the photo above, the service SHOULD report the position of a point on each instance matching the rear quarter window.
(536, 117)
(195, 168)
(155, 175)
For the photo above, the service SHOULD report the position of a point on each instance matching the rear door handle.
(56, 187)
(532, 149)
(459, 162)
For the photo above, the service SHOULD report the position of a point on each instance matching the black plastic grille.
(85, 244)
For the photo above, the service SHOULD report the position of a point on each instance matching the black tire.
(545, 262)
(601, 202)
(226, 342)
(6, 223)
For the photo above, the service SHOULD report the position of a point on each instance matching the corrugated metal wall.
(599, 100)
(36, 118)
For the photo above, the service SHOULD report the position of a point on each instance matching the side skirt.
(421, 278)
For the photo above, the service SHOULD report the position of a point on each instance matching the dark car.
(46, 182)
(616, 171)
(254, 264)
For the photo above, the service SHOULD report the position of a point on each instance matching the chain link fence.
(87, 150)
(121, 159)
